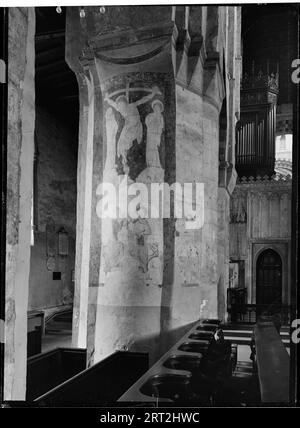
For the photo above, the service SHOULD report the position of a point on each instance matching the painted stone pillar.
(229, 116)
(131, 260)
(20, 152)
(83, 212)
(157, 100)
(118, 301)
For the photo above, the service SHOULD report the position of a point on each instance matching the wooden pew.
(35, 328)
(273, 364)
(100, 385)
(49, 369)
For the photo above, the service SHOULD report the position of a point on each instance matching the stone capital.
(164, 39)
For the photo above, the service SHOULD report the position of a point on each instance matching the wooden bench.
(35, 328)
(100, 385)
(49, 369)
(273, 364)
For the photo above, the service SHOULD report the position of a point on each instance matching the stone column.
(84, 197)
(158, 96)
(131, 260)
(227, 173)
(20, 152)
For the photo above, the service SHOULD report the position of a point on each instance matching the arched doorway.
(269, 278)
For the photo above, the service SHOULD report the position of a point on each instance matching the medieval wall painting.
(134, 130)
(155, 125)
(111, 127)
(131, 130)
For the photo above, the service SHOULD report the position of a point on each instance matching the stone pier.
(152, 83)
(20, 152)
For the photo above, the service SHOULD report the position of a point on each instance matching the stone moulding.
(174, 34)
(270, 82)
(270, 181)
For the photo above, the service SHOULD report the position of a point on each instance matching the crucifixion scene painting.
(132, 134)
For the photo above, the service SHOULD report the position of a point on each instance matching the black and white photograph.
(149, 218)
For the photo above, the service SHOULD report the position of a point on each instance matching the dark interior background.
(56, 84)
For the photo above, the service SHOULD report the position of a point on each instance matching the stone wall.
(55, 208)
(57, 144)
(20, 152)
